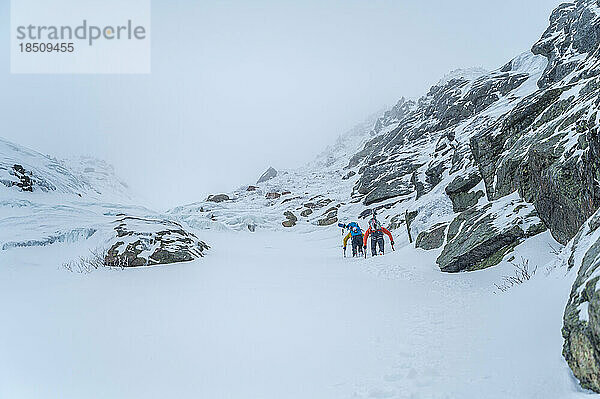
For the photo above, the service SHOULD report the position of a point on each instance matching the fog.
(237, 86)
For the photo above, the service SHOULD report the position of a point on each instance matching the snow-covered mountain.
(45, 201)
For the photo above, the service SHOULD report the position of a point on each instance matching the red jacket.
(383, 229)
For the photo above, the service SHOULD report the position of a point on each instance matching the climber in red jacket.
(376, 232)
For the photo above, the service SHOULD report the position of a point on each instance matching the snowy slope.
(83, 176)
(45, 201)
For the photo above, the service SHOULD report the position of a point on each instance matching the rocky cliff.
(483, 163)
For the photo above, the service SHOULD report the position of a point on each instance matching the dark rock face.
(252, 188)
(581, 325)
(290, 199)
(532, 159)
(218, 198)
(460, 193)
(573, 26)
(365, 214)
(387, 122)
(432, 238)
(546, 148)
(268, 175)
(374, 181)
(148, 242)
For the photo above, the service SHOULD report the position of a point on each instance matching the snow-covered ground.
(280, 315)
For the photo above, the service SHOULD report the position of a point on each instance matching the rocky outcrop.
(552, 163)
(317, 202)
(22, 179)
(268, 175)
(547, 147)
(148, 242)
(581, 326)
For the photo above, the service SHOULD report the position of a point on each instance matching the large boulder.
(380, 181)
(480, 237)
(149, 242)
(268, 175)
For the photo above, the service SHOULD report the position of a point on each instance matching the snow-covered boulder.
(480, 237)
(148, 242)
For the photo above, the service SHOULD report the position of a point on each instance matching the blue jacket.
(354, 229)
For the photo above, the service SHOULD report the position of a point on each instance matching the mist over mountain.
(489, 185)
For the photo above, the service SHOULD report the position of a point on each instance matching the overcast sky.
(237, 86)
